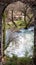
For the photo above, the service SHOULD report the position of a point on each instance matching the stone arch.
(3, 5)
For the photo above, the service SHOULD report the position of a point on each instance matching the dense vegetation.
(18, 60)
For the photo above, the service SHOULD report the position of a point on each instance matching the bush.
(18, 60)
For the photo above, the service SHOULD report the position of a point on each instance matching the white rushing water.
(22, 42)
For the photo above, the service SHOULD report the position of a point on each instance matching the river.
(20, 42)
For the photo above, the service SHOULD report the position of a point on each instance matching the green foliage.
(3, 17)
(18, 60)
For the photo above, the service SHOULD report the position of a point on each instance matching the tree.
(13, 19)
(3, 17)
(24, 11)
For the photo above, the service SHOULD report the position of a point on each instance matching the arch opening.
(18, 20)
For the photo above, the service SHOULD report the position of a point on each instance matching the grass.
(18, 60)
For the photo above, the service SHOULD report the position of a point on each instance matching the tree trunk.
(13, 19)
(3, 33)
